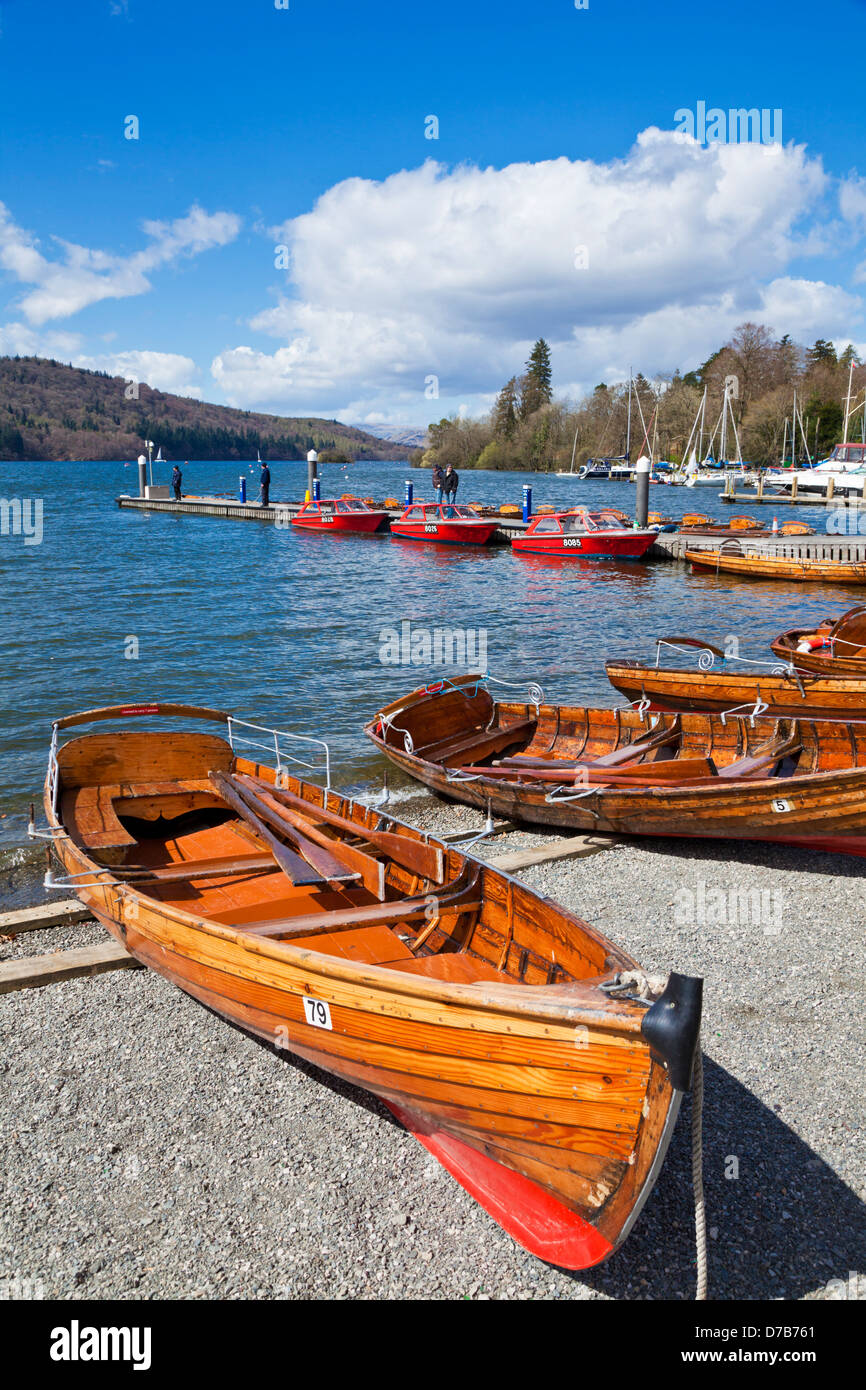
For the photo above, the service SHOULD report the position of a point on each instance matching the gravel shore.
(151, 1150)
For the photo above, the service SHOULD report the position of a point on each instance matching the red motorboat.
(578, 532)
(341, 514)
(443, 523)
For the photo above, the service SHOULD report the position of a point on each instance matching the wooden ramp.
(31, 972)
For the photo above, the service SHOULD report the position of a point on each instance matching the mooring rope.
(698, 1176)
(645, 986)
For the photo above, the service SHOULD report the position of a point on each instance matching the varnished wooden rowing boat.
(777, 566)
(630, 772)
(500, 1028)
(835, 647)
(780, 689)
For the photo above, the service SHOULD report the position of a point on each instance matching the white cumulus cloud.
(651, 259)
(85, 276)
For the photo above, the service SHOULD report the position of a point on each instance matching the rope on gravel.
(698, 1177)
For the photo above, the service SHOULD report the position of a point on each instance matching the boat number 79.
(317, 1013)
(781, 806)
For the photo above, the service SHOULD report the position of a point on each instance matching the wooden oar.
(641, 774)
(414, 855)
(297, 871)
(333, 858)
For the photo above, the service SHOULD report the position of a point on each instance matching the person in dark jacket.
(438, 480)
(266, 486)
(451, 482)
(176, 480)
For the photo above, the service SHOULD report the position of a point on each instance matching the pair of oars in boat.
(268, 809)
(639, 775)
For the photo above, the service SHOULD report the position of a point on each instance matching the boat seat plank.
(406, 910)
(89, 812)
(482, 744)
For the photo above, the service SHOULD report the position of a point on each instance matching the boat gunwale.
(517, 999)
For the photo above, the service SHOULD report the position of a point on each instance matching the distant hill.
(409, 436)
(50, 411)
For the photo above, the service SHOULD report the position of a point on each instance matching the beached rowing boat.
(776, 566)
(835, 647)
(774, 688)
(507, 1034)
(630, 772)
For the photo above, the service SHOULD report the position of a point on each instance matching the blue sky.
(305, 128)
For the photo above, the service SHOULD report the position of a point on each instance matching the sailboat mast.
(723, 445)
(794, 432)
(848, 400)
(628, 424)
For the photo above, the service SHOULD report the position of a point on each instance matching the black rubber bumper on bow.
(672, 1027)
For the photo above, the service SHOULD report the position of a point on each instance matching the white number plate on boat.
(434, 529)
(782, 806)
(572, 541)
(318, 1013)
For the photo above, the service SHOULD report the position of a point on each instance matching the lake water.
(288, 629)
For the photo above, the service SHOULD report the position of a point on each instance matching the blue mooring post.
(527, 502)
(317, 489)
(242, 488)
(410, 493)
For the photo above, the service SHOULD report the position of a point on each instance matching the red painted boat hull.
(445, 532)
(357, 522)
(529, 1214)
(610, 545)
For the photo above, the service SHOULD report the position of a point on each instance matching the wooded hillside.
(50, 411)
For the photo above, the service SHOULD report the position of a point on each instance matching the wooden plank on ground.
(500, 827)
(30, 972)
(56, 914)
(577, 846)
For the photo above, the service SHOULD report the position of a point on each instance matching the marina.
(288, 565)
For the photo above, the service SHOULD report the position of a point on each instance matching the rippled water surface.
(287, 628)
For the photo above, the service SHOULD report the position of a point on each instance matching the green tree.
(535, 384)
(823, 351)
(503, 417)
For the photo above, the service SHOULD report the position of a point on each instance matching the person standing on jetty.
(266, 485)
(176, 480)
(451, 482)
(438, 480)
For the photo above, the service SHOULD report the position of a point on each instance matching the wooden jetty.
(764, 495)
(278, 513)
(672, 545)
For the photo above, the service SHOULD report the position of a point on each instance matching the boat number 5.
(317, 1013)
(782, 806)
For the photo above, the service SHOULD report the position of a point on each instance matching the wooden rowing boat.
(777, 566)
(831, 648)
(499, 1027)
(745, 526)
(629, 772)
(778, 689)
